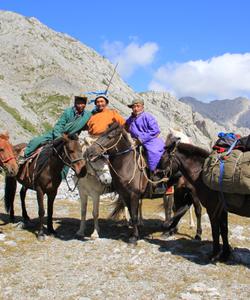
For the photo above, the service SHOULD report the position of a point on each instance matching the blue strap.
(97, 93)
(222, 168)
(231, 147)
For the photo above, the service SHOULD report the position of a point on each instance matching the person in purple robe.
(143, 127)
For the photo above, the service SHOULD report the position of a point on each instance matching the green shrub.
(15, 114)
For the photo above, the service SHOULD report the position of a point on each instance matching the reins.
(69, 165)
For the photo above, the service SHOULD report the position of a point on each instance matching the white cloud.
(131, 56)
(225, 76)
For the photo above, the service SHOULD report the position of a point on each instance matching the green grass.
(27, 125)
(46, 125)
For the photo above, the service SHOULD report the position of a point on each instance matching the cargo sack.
(233, 177)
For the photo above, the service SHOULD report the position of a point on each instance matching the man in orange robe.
(98, 123)
(102, 117)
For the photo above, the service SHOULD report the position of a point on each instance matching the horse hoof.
(41, 237)
(197, 237)
(95, 235)
(79, 235)
(215, 257)
(133, 241)
(225, 255)
(20, 225)
(52, 233)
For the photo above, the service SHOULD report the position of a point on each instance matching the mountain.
(41, 70)
(231, 113)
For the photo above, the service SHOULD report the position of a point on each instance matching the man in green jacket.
(73, 120)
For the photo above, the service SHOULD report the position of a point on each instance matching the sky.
(198, 48)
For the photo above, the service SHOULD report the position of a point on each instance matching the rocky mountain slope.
(230, 113)
(41, 70)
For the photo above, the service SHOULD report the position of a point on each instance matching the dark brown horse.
(43, 175)
(7, 156)
(128, 173)
(189, 160)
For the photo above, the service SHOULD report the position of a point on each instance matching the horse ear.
(65, 137)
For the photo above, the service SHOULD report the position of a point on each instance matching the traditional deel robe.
(100, 121)
(144, 127)
(70, 122)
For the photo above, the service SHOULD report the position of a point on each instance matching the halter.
(71, 162)
(172, 156)
(69, 165)
(7, 159)
(109, 148)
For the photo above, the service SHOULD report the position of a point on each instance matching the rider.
(144, 128)
(98, 123)
(73, 120)
(102, 117)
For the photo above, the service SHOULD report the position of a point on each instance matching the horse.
(127, 167)
(93, 184)
(8, 160)
(189, 160)
(45, 170)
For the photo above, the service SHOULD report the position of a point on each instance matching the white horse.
(93, 185)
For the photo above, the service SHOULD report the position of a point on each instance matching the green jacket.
(69, 122)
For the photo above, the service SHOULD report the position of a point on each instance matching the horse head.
(107, 141)
(72, 154)
(7, 156)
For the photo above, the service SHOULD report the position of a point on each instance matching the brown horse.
(44, 176)
(189, 160)
(7, 156)
(127, 169)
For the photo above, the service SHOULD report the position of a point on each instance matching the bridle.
(104, 149)
(71, 162)
(6, 160)
(172, 157)
(70, 165)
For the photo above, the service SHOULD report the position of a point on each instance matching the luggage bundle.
(227, 169)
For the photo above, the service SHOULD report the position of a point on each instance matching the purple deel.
(145, 128)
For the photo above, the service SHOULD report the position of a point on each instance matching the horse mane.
(192, 150)
(111, 127)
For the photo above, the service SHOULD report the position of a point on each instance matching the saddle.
(25, 165)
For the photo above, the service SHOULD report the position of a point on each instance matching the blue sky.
(197, 48)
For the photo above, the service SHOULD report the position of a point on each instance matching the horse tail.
(119, 207)
(9, 192)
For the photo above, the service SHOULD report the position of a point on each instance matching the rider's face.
(101, 103)
(80, 106)
(137, 108)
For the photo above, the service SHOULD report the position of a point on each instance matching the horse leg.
(215, 224)
(51, 197)
(173, 222)
(197, 209)
(41, 213)
(84, 202)
(95, 214)
(168, 202)
(26, 218)
(191, 219)
(226, 249)
(140, 221)
(133, 209)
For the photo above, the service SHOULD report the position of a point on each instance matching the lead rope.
(70, 189)
(142, 166)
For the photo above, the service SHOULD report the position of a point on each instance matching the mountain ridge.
(41, 70)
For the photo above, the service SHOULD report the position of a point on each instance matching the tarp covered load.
(229, 173)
